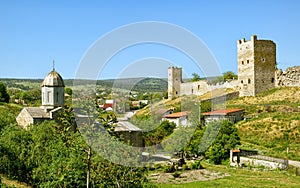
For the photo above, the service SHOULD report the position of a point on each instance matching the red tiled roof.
(176, 115)
(106, 105)
(162, 111)
(223, 112)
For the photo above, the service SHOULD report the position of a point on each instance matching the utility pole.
(89, 154)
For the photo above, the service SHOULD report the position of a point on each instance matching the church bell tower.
(53, 94)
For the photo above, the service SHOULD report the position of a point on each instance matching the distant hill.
(134, 84)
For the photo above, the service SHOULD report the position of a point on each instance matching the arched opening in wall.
(272, 80)
(242, 62)
(249, 81)
(198, 87)
(247, 61)
(176, 92)
(242, 81)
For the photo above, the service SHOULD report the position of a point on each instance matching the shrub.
(197, 165)
(176, 174)
(169, 168)
(185, 167)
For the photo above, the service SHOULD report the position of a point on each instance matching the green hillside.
(273, 122)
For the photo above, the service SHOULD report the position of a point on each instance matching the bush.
(176, 174)
(169, 168)
(157, 166)
(197, 165)
(185, 167)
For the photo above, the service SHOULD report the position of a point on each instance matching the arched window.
(249, 81)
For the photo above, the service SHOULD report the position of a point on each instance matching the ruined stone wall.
(291, 77)
(194, 88)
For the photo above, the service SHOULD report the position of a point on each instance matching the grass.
(273, 122)
(12, 183)
(243, 177)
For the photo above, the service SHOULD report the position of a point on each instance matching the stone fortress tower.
(174, 82)
(257, 72)
(256, 65)
(176, 87)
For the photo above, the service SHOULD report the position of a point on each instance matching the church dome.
(53, 79)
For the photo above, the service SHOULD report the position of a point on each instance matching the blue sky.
(34, 33)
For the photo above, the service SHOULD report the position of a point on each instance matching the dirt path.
(186, 176)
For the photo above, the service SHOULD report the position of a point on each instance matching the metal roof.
(37, 112)
(126, 126)
(53, 79)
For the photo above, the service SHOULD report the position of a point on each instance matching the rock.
(291, 77)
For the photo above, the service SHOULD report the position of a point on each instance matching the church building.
(52, 102)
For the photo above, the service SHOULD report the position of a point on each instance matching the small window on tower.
(248, 61)
(242, 81)
(263, 60)
(249, 81)
(242, 62)
(272, 80)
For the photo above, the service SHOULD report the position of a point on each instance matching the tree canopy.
(196, 77)
(4, 97)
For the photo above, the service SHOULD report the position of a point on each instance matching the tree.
(4, 97)
(229, 75)
(196, 77)
(226, 139)
(68, 91)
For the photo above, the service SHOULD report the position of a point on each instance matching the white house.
(179, 118)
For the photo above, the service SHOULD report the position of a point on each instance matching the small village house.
(233, 115)
(130, 133)
(179, 118)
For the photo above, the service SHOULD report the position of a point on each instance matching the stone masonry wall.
(256, 65)
(291, 77)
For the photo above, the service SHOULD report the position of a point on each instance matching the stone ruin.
(291, 77)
